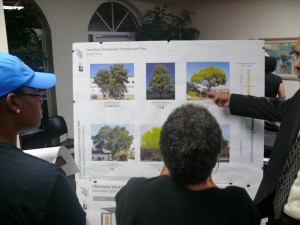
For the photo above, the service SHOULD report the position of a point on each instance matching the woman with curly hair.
(190, 143)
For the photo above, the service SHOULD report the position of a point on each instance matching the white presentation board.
(124, 91)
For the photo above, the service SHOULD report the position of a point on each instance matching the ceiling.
(13, 3)
(21, 2)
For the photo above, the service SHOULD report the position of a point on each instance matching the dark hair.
(190, 143)
(270, 64)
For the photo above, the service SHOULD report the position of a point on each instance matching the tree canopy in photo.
(225, 143)
(112, 81)
(150, 139)
(161, 80)
(110, 140)
(209, 77)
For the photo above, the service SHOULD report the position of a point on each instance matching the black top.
(272, 83)
(161, 201)
(34, 191)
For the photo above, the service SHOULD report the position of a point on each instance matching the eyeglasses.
(41, 97)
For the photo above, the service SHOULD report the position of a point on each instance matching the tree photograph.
(160, 81)
(112, 142)
(225, 150)
(112, 81)
(206, 76)
(150, 135)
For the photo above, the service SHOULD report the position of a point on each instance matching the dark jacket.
(288, 113)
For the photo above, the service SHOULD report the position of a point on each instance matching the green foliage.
(112, 81)
(112, 140)
(189, 87)
(225, 143)
(150, 139)
(161, 25)
(209, 77)
(161, 80)
(93, 97)
(192, 93)
(122, 155)
(102, 79)
(22, 39)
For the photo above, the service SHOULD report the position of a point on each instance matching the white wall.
(290, 87)
(216, 19)
(68, 21)
(243, 19)
(3, 39)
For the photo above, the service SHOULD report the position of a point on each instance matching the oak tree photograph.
(203, 77)
(112, 81)
(112, 142)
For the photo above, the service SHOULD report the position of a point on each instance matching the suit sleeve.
(258, 107)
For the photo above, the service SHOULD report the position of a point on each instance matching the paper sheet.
(57, 155)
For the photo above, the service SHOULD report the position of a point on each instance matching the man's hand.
(222, 99)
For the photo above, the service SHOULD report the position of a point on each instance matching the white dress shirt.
(292, 207)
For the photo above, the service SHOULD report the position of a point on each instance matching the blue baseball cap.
(15, 74)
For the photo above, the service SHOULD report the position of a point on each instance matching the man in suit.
(288, 113)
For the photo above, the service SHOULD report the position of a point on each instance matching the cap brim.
(42, 81)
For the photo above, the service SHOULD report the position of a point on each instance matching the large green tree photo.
(161, 80)
(209, 77)
(150, 144)
(112, 141)
(112, 82)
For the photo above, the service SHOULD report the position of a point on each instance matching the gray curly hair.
(190, 143)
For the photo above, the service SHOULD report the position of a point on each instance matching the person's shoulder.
(136, 184)
(277, 77)
(235, 191)
(41, 166)
(233, 188)
(132, 187)
(143, 181)
(37, 160)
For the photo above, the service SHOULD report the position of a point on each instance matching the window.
(112, 21)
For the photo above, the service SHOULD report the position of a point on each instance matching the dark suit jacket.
(288, 113)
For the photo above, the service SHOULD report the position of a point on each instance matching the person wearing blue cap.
(32, 191)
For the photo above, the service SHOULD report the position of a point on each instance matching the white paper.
(243, 63)
(98, 200)
(57, 155)
(141, 111)
(48, 154)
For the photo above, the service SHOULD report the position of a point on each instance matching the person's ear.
(11, 103)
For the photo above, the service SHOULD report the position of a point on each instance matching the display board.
(123, 93)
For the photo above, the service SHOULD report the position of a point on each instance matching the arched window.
(38, 52)
(112, 22)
